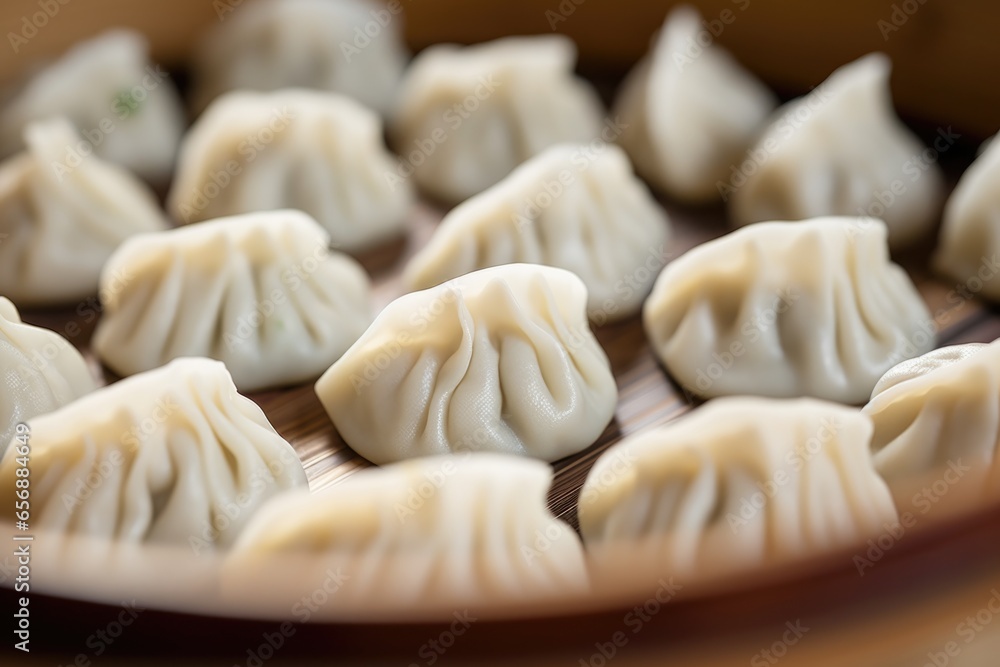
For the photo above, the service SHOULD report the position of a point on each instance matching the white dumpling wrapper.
(60, 224)
(500, 360)
(322, 44)
(466, 116)
(568, 207)
(261, 292)
(970, 234)
(436, 531)
(126, 108)
(739, 484)
(318, 152)
(787, 309)
(841, 150)
(172, 456)
(690, 111)
(938, 417)
(39, 372)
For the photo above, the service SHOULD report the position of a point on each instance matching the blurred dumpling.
(436, 532)
(261, 292)
(567, 207)
(39, 370)
(126, 108)
(499, 360)
(170, 456)
(739, 484)
(970, 235)
(691, 111)
(318, 152)
(841, 150)
(61, 218)
(786, 309)
(352, 47)
(467, 116)
(939, 414)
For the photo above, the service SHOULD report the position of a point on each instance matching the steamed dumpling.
(691, 111)
(352, 47)
(938, 413)
(170, 456)
(500, 360)
(62, 218)
(841, 151)
(970, 234)
(786, 309)
(318, 152)
(126, 108)
(434, 531)
(740, 483)
(468, 115)
(568, 207)
(39, 370)
(261, 292)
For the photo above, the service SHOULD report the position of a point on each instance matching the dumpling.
(970, 235)
(352, 47)
(437, 531)
(468, 115)
(173, 456)
(567, 207)
(500, 360)
(126, 108)
(741, 483)
(938, 416)
(261, 292)
(841, 150)
(61, 218)
(39, 370)
(813, 308)
(318, 152)
(690, 111)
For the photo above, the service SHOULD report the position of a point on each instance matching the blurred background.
(945, 54)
